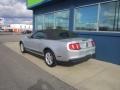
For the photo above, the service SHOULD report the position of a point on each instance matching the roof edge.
(38, 4)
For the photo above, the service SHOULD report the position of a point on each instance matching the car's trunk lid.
(84, 42)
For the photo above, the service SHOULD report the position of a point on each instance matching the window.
(49, 21)
(107, 16)
(20, 27)
(62, 20)
(39, 22)
(86, 18)
(118, 17)
(53, 20)
(38, 35)
(104, 16)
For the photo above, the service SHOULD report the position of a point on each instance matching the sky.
(15, 12)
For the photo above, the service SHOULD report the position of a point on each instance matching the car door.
(36, 41)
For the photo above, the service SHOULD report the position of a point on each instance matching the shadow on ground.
(67, 64)
(41, 85)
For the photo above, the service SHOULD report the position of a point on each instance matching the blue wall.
(107, 44)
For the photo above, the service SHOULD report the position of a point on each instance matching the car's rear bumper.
(77, 56)
(81, 59)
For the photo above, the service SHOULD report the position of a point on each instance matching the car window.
(38, 35)
(65, 35)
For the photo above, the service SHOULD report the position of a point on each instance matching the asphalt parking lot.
(90, 75)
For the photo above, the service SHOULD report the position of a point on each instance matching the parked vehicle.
(1, 30)
(57, 45)
(26, 32)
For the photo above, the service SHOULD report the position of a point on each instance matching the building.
(1, 23)
(17, 27)
(97, 19)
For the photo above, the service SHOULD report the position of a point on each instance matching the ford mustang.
(57, 45)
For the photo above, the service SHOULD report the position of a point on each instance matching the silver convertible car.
(57, 45)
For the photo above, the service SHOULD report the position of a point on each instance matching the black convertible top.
(58, 34)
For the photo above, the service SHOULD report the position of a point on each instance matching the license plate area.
(83, 44)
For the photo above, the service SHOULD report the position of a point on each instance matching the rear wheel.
(50, 59)
(22, 48)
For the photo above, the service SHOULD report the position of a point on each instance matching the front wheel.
(50, 59)
(22, 48)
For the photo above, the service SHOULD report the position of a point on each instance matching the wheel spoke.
(49, 59)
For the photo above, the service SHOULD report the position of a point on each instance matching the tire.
(22, 48)
(94, 56)
(50, 59)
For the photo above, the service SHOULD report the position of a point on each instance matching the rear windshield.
(61, 35)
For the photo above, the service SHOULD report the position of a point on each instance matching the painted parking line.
(89, 75)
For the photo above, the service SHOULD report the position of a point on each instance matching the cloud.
(18, 20)
(15, 10)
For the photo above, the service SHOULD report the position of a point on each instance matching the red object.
(74, 46)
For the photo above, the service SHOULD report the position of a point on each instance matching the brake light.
(93, 43)
(74, 46)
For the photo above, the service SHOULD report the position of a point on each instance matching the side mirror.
(30, 36)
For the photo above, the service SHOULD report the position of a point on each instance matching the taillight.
(93, 43)
(74, 46)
